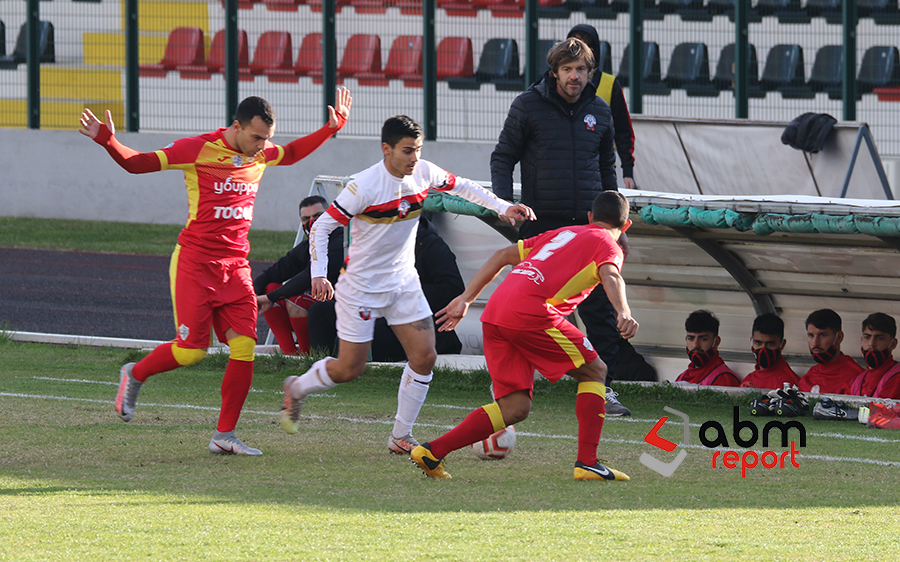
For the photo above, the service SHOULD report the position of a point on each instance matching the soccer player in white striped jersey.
(380, 279)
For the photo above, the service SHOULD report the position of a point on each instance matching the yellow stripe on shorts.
(567, 346)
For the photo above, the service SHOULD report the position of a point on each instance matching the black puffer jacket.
(566, 156)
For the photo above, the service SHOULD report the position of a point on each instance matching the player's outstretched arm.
(614, 286)
(448, 317)
(104, 134)
(518, 212)
(299, 149)
(342, 102)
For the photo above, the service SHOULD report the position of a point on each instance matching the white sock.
(314, 380)
(410, 397)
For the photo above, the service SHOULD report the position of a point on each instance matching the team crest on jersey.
(587, 344)
(183, 332)
(365, 313)
(237, 160)
(525, 268)
(403, 209)
(590, 122)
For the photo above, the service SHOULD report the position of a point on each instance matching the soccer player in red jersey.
(766, 342)
(209, 273)
(702, 346)
(877, 343)
(525, 329)
(833, 372)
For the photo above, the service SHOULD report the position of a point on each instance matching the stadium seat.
(784, 68)
(184, 48)
(371, 6)
(605, 52)
(651, 10)
(46, 47)
(244, 4)
(409, 7)
(689, 66)
(498, 64)
(362, 55)
(544, 46)
(880, 68)
(828, 9)
(454, 58)
(724, 77)
(404, 62)
(593, 9)
(215, 63)
(882, 12)
(316, 5)
(273, 52)
(283, 5)
(787, 11)
(309, 62)
(687, 10)
(2, 39)
(650, 75)
(465, 8)
(826, 73)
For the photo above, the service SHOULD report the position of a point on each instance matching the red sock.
(474, 428)
(235, 387)
(301, 328)
(160, 360)
(590, 409)
(280, 323)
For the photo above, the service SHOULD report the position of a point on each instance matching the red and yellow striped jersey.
(558, 270)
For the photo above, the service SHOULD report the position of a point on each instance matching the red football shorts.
(217, 293)
(513, 355)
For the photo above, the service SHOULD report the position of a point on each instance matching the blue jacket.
(566, 155)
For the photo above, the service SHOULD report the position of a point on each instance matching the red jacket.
(883, 382)
(716, 372)
(834, 377)
(773, 378)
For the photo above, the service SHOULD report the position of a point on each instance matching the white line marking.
(440, 426)
(117, 384)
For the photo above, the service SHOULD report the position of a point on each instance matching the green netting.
(444, 203)
(768, 223)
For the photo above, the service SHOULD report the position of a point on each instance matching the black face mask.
(875, 358)
(699, 358)
(766, 357)
(825, 356)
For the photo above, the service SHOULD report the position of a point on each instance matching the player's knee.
(187, 357)
(242, 348)
(515, 414)
(423, 361)
(295, 311)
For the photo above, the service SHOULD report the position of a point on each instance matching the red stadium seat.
(361, 55)
(466, 8)
(283, 5)
(215, 64)
(404, 62)
(371, 6)
(273, 51)
(454, 58)
(309, 62)
(184, 48)
(409, 7)
(243, 4)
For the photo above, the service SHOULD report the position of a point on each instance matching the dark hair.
(254, 106)
(824, 319)
(702, 321)
(769, 324)
(881, 322)
(313, 200)
(399, 127)
(610, 207)
(567, 51)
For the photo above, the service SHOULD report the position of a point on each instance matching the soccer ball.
(497, 446)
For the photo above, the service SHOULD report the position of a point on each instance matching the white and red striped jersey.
(381, 257)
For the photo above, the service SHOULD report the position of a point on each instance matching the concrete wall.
(62, 174)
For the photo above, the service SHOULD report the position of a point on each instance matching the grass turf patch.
(76, 483)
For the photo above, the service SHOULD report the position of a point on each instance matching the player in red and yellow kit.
(525, 329)
(209, 273)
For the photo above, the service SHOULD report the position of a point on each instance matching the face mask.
(766, 357)
(308, 226)
(699, 358)
(826, 355)
(875, 358)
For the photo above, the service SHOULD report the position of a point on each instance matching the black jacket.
(617, 103)
(293, 269)
(566, 155)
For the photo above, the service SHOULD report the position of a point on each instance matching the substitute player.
(209, 273)
(385, 201)
(525, 329)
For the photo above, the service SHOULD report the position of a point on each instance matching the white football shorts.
(356, 311)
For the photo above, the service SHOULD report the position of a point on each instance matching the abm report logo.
(728, 459)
